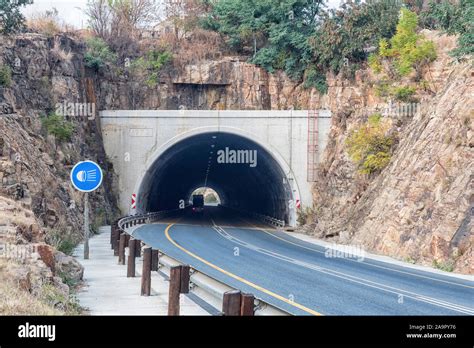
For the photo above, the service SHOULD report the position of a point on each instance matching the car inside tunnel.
(245, 176)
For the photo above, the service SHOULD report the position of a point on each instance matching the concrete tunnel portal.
(244, 174)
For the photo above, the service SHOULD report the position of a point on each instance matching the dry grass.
(197, 46)
(59, 52)
(16, 301)
(48, 23)
(44, 26)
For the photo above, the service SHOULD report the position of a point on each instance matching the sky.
(71, 11)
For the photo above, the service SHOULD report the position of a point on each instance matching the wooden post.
(122, 249)
(127, 239)
(247, 305)
(112, 232)
(131, 258)
(231, 303)
(146, 272)
(138, 251)
(155, 258)
(185, 277)
(175, 284)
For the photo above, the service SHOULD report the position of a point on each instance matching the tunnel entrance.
(211, 197)
(244, 175)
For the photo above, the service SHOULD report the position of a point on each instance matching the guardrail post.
(131, 258)
(155, 258)
(146, 272)
(247, 305)
(138, 251)
(231, 303)
(122, 249)
(112, 232)
(114, 236)
(117, 242)
(185, 277)
(175, 284)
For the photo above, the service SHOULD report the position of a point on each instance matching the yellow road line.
(255, 286)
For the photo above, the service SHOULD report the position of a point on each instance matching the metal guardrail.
(201, 284)
(264, 218)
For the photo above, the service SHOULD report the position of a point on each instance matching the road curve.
(298, 277)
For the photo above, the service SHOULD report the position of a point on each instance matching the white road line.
(365, 282)
(364, 262)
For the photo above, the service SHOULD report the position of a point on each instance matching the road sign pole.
(86, 177)
(86, 226)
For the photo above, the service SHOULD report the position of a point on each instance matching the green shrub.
(404, 94)
(5, 76)
(58, 126)
(369, 146)
(316, 79)
(152, 64)
(405, 51)
(61, 241)
(447, 266)
(98, 54)
(53, 297)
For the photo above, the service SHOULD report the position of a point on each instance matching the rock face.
(36, 198)
(230, 84)
(420, 207)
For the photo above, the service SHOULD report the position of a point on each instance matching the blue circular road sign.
(86, 176)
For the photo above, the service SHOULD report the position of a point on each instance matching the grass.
(16, 301)
(447, 266)
(61, 241)
(56, 299)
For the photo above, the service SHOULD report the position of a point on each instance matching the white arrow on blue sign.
(86, 176)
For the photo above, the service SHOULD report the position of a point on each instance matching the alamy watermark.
(345, 252)
(228, 156)
(68, 109)
(398, 110)
(17, 252)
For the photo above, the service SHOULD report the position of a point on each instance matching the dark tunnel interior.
(196, 162)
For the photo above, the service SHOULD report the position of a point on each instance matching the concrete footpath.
(108, 291)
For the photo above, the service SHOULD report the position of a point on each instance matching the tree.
(275, 32)
(301, 37)
(119, 22)
(454, 18)
(99, 14)
(11, 19)
(184, 15)
(406, 51)
(347, 34)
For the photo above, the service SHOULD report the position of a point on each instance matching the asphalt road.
(298, 276)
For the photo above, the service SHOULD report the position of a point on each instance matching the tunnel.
(245, 175)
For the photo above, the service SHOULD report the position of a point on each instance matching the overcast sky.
(71, 11)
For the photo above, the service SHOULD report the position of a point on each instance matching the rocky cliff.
(420, 208)
(417, 209)
(40, 212)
